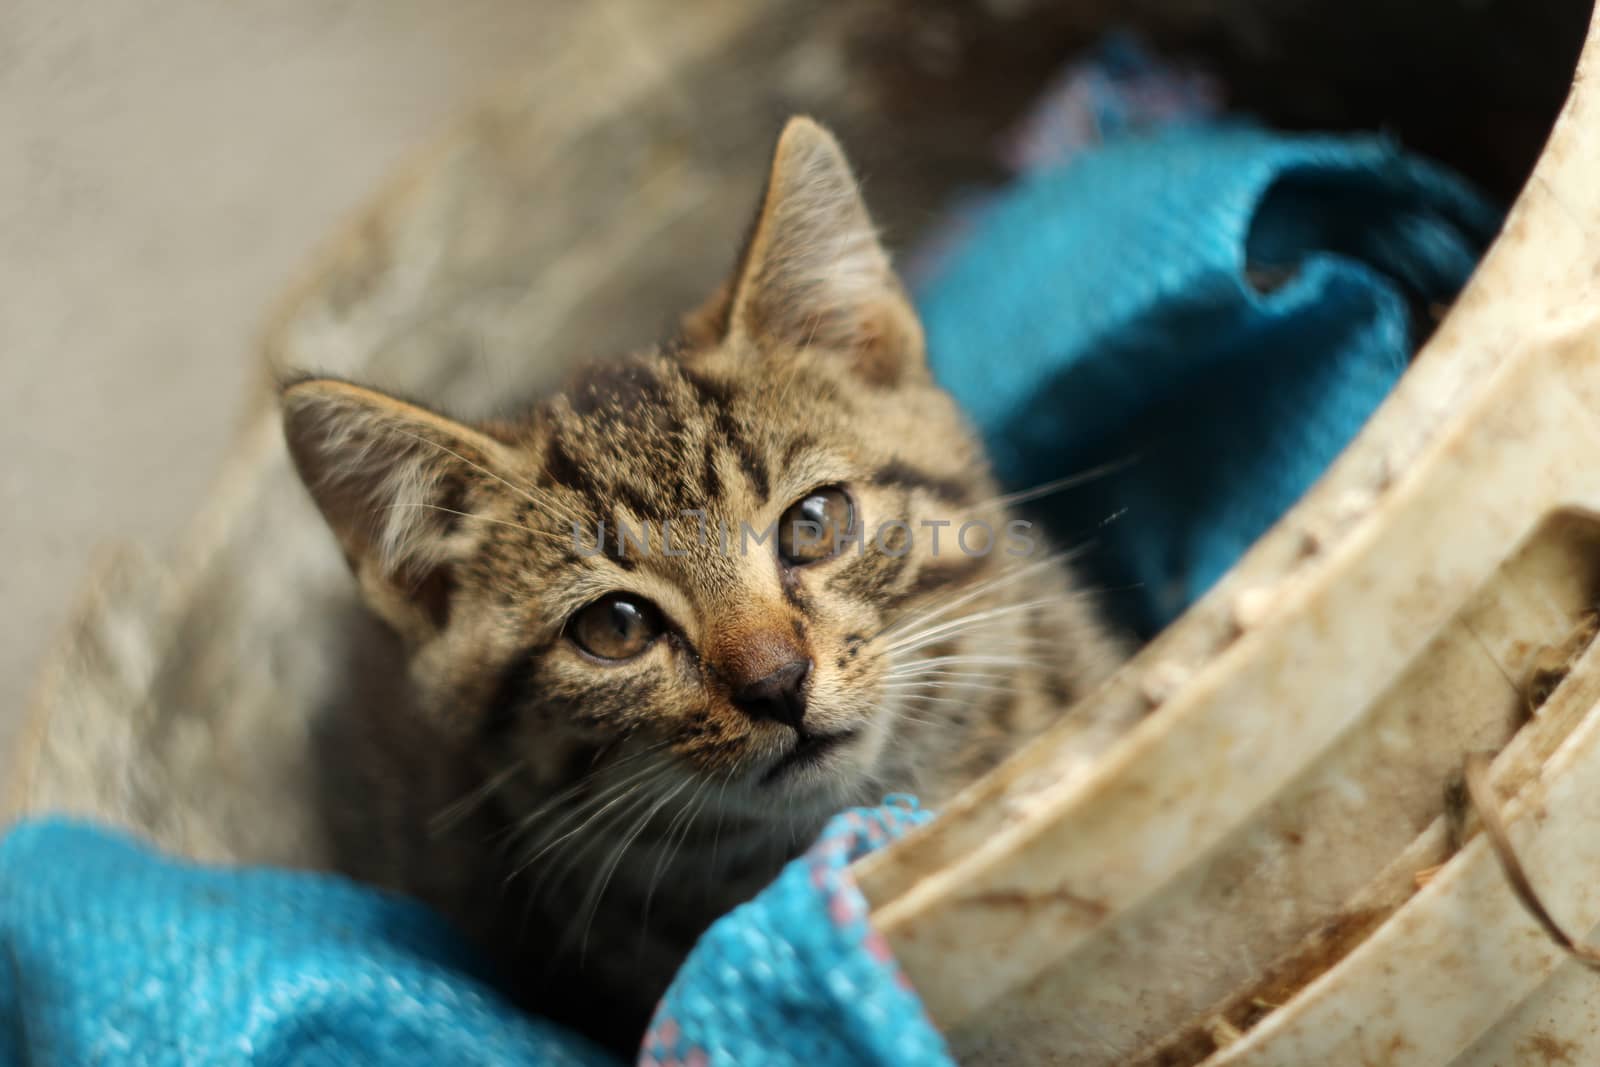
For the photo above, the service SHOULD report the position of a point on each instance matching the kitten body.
(655, 683)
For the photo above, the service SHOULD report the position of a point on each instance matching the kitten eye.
(615, 627)
(815, 526)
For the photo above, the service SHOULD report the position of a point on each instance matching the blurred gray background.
(168, 167)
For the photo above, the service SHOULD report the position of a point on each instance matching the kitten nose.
(780, 696)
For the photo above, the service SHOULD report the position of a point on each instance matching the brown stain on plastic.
(1390, 1054)
(1319, 953)
(1552, 663)
(1028, 902)
(1549, 1049)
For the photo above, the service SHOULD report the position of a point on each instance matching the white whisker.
(476, 518)
(1070, 481)
(552, 508)
(592, 905)
(619, 792)
(664, 861)
(969, 595)
(918, 666)
(933, 634)
(452, 814)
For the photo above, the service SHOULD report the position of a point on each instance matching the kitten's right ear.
(395, 483)
(813, 272)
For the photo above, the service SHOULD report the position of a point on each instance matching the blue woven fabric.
(797, 977)
(112, 954)
(1105, 310)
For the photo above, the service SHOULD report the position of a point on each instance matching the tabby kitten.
(702, 598)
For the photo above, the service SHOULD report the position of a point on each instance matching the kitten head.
(704, 564)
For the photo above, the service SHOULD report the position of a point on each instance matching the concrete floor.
(167, 166)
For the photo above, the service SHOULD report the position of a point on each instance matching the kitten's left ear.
(814, 273)
(395, 483)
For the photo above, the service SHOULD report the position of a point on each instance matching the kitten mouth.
(809, 751)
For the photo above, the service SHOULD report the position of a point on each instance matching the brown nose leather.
(765, 668)
(779, 697)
